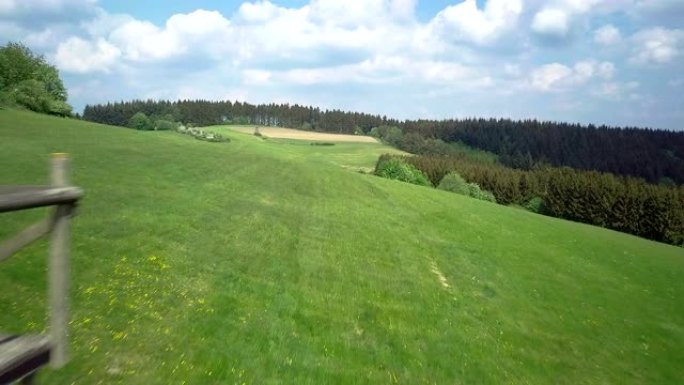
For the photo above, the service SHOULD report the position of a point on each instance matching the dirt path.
(442, 279)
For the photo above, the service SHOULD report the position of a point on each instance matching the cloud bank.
(559, 59)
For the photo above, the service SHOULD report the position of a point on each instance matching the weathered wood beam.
(58, 272)
(24, 238)
(26, 197)
(22, 355)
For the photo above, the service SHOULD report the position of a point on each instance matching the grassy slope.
(251, 262)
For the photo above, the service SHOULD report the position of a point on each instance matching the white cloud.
(465, 22)
(617, 90)
(472, 57)
(104, 23)
(379, 70)
(29, 13)
(556, 77)
(606, 70)
(7, 6)
(199, 31)
(607, 35)
(656, 45)
(347, 13)
(580, 6)
(258, 12)
(14, 7)
(557, 18)
(551, 22)
(403, 8)
(78, 55)
(512, 70)
(142, 40)
(256, 77)
(660, 7)
(547, 76)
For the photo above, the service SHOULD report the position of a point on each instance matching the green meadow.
(278, 262)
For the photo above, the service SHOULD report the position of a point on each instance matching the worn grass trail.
(266, 262)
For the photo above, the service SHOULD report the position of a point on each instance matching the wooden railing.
(21, 356)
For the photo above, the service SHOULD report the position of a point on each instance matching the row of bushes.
(455, 183)
(624, 204)
(140, 121)
(397, 169)
(202, 135)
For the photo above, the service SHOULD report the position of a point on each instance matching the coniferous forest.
(625, 204)
(656, 156)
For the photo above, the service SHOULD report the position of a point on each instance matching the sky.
(613, 62)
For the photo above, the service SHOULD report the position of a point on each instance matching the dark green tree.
(140, 121)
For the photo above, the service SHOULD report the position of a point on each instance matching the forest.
(625, 204)
(656, 156)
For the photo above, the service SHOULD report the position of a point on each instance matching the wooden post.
(58, 268)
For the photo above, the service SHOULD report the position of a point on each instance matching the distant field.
(356, 156)
(276, 262)
(288, 133)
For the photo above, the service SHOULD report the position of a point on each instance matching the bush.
(32, 95)
(391, 135)
(202, 135)
(59, 108)
(140, 121)
(455, 183)
(476, 192)
(536, 205)
(398, 170)
(164, 125)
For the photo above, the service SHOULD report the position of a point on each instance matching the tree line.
(624, 204)
(206, 113)
(657, 156)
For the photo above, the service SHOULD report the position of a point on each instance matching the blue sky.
(616, 62)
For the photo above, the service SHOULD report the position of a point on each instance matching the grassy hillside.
(266, 262)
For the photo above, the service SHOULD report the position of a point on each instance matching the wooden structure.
(21, 356)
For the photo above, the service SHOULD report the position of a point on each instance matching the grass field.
(288, 133)
(265, 262)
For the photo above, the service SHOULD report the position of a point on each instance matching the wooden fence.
(21, 356)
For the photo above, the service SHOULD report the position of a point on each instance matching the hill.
(265, 261)
(654, 155)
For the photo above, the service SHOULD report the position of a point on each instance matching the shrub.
(396, 169)
(32, 94)
(455, 183)
(59, 108)
(140, 121)
(202, 135)
(477, 193)
(164, 125)
(536, 205)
